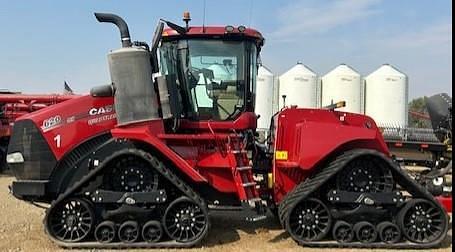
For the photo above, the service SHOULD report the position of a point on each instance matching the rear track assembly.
(417, 222)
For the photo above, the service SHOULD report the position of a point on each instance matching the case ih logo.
(101, 110)
(51, 122)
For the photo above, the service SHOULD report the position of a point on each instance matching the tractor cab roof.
(228, 32)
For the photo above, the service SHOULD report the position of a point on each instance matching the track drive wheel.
(185, 221)
(105, 232)
(342, 232)
(152, 231)
(71, 220)
(131, 174)
(365, 174)
(389, 232)
(365, 232)
(309, 220)
(422, 222)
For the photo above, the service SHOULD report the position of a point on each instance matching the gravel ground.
(21, 230)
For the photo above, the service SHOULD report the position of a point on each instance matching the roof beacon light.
(186, 19)
(241, 28)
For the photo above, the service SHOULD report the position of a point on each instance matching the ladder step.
(249, 184)
(238, 151)
(255, 200)
(244, 168)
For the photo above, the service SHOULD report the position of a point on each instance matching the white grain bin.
(264, 97)
(299, 84)
(386, 96)
(343, 84)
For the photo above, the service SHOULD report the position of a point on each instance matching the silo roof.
(343, 69)
(300, 69)
(387, 70)
(264, 71)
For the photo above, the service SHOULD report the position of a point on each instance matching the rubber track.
(310, 185)
(93, 175)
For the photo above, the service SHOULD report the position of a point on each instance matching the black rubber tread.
(93, 176)
(304, 189)
(310, 185)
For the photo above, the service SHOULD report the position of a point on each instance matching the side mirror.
(155, 42)
(103, 91)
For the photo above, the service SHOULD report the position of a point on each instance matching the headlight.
(14, 158)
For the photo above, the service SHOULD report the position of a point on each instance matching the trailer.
(426, 153)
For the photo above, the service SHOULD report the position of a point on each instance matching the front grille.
(39, 161)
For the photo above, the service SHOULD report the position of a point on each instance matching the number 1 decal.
(57, 140)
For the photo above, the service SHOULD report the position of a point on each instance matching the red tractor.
(142, 162)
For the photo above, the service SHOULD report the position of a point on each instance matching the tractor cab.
(205, 76)
(213, 72)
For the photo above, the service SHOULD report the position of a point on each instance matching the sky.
(44, 43)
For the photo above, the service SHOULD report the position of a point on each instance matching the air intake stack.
(130, 68)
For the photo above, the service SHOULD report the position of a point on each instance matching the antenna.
(203, 17)
(251, 13)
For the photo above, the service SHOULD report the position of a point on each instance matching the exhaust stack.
(135, 98)
(120, 23)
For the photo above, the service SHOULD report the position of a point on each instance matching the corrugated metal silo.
(343, 84)
(264, 97)
(299, 84)
(386, 96)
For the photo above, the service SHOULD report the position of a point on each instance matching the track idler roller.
(152, 231)
(128, 232)
(105, 232)
(365, 232)
(185, 221)
(342, 232)
(422, 222)
(72, 220)
(389, 232)
(309, 220)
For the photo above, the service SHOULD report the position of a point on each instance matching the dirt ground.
(21, 230)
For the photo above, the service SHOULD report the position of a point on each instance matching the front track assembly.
(354, 201)
(94, 213)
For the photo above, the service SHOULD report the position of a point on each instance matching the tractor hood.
(40, 139)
